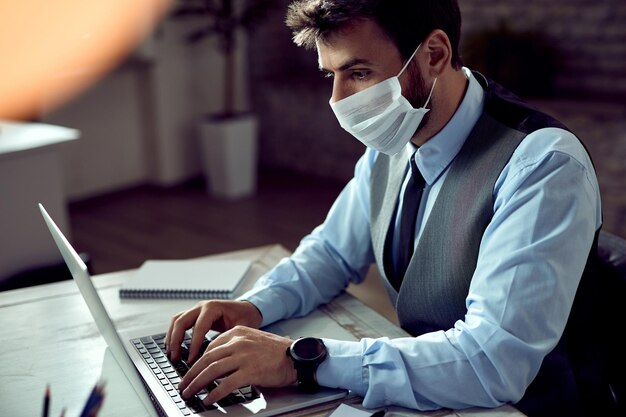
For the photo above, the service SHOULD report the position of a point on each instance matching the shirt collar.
(434, 157)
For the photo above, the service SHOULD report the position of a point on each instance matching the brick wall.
(590, 35)
(299, 131)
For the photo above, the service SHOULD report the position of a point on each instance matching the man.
(480, 212)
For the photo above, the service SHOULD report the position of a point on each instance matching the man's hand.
(219, 315)
(240, 356)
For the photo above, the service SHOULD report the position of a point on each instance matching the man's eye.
(360, 75)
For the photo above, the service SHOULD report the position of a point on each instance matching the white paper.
(346, 411)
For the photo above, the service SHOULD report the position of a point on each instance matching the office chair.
(612, 277)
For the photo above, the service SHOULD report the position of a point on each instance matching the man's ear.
(439, 52)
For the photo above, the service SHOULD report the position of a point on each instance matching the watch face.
(308, 348)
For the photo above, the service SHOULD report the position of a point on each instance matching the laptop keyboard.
(152, 349)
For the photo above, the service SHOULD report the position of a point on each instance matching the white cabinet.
(30, 173)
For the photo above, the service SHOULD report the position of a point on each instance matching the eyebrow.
(351, 63)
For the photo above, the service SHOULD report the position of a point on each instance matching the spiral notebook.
(192, 278)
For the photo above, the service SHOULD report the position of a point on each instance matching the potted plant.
(228, 138)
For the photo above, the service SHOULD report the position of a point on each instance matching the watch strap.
(305, 372)
(307, 381)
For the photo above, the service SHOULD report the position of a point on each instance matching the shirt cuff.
(265, 300)
(343, 367)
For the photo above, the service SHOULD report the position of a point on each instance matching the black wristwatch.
(307, 353)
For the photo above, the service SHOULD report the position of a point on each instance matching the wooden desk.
(49, 337)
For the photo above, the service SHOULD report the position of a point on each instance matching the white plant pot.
(229, 152)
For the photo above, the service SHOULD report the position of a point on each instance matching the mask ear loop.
(431, 93)
(409, 60)
(406, 66)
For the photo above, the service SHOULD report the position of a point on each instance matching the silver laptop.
(140, 354)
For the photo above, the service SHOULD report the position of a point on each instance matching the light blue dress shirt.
(532, 254)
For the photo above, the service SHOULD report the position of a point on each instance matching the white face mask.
(380, 116)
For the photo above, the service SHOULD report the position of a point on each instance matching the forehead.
(363, 39)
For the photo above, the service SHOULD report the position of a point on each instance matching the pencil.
(46, 402)
(98, 404)
(96, 408)
(93, 402)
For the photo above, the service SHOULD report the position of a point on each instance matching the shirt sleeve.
(532, 255)
(337, 252)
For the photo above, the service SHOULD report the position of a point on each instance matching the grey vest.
(432, 294)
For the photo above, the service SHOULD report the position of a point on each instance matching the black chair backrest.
(612, 279)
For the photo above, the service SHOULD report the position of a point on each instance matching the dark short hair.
(406, 22)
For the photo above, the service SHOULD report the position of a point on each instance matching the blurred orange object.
(52, 50)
